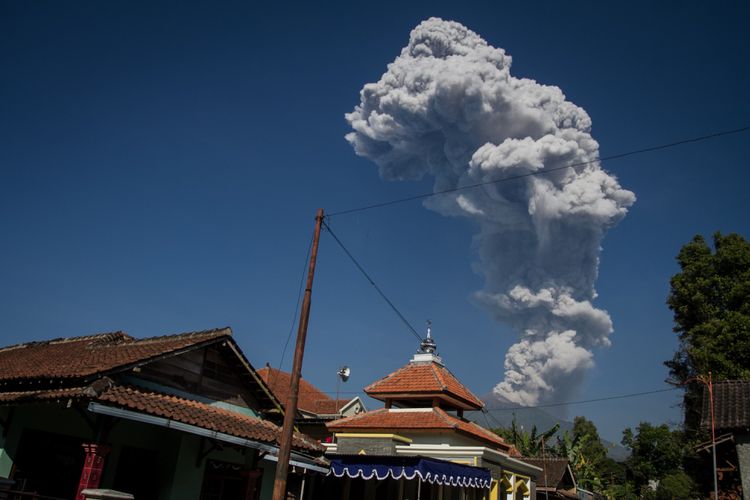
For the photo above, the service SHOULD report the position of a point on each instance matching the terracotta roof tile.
(310, 398)
(202, 415)
(417, 420)
(79, 357)
(555, 469)
(423, 379)
(166, 406)
(731, 405)
(42, 395)
(329, 406)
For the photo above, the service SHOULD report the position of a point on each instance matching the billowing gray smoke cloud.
(448, 107)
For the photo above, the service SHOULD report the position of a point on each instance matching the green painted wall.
(43, 418)
(163, 442)
(269, 473)
(188, 476)
(6, 464)
(176, 452)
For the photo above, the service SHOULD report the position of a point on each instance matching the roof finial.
(428, 345)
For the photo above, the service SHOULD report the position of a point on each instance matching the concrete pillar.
(93, 464)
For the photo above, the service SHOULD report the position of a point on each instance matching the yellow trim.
(462, 461)
(494, 493)
(521, 484)
(373, 436)
(506, 482)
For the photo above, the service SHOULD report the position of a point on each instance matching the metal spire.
(428, 345)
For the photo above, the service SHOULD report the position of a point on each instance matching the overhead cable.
(542, 172)
(372, 282)
(272, 376)
(569, 403)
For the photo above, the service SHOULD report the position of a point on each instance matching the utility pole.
(287, 431)
(713, 434)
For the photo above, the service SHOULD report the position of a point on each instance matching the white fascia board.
(476, 451)
(304, 465)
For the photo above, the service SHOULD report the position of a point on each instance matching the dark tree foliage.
(592, 448)
(710, 299)
(657, 453)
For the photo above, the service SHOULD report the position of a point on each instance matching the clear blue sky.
(161, 163)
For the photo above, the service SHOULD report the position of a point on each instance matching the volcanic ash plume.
(448, 107)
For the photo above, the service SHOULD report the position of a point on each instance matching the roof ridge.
(460, 383)
(436, 372)
(444, 416)
(226, 330)
(117, 335)
(63, 340)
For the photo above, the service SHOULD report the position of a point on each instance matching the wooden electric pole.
(287, 431)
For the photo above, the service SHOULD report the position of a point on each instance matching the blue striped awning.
(429, 470)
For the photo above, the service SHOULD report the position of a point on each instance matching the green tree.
(591, 444)
(584, 450)
(655, 452)
(676, 485)
(710, 299)
(529, 444)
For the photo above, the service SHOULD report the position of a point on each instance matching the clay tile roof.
(555, 470)
(202, 415)
(329, 406)
(41, 395)
(423, 380)
(731, 405)
(421, 419)
(80, 357)
(310, 398)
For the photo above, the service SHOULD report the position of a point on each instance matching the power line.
(271, 376)
(486, 412)
(514, 408)
(372, 282)
(487, 420)
(568, 403)
(542, 172)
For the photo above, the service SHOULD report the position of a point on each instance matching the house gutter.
(298, 460)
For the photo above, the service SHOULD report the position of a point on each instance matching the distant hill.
(501, 414)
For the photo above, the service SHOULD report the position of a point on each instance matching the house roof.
(553, 471)
(202, 415)
(82, 357)
(418, 419)
(424, 381)
(731, 405)
(310, 398)
(167, 406)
